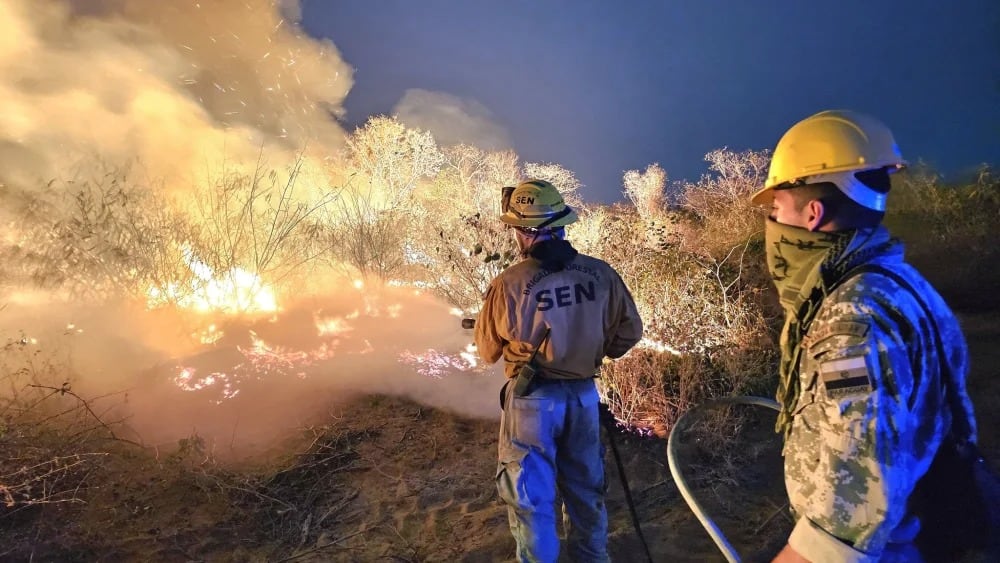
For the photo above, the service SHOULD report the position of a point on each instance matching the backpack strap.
(958, 414)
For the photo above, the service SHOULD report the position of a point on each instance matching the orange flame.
(235, 291)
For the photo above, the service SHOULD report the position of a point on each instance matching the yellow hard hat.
(832, 146)
(537, 204)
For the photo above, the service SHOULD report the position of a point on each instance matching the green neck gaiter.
(794, 255)
(795, 258)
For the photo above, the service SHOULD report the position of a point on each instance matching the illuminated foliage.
(693, 267)
(647, 190)
(407, 211)
(93, 235)
(385, 162)
(463, 245)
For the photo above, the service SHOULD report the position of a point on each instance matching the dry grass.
(949, 231)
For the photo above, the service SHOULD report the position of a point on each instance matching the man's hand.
(789, 555)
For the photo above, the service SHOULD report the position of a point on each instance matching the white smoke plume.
(258, 379)
(178, 87)
(451, 119)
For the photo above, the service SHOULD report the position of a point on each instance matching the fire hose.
(713, 530)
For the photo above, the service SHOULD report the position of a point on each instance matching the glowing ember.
(433, 363)
(334, 326)
(210, 335)
(188, 381)
(239, 357)
(470, 355)
(265, 359)
(258, 361)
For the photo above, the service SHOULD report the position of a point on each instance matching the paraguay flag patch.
(846, 376)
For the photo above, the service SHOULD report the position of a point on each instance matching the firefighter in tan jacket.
(574, 310)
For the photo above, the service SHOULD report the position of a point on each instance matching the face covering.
(795, 259)
(794, 255)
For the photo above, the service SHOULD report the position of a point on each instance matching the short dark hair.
(843, 212)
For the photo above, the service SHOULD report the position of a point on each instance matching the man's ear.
(814, 214)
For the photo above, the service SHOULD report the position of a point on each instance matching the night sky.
(601, 87)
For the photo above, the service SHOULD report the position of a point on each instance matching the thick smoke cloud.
(452, 120)
(178, 87)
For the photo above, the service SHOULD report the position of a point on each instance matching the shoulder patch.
(839, 328)
(846, 376)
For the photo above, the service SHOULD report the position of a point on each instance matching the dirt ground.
(387, 479)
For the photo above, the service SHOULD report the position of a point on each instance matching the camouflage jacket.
(871, 413)
(587, 306)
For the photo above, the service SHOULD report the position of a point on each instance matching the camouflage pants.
(548, 439)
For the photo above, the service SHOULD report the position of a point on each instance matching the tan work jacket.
(589, 310)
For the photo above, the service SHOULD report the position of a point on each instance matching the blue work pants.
(551, 438)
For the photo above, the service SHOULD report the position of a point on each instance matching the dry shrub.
(67, 477)
(112, 234)
(456, 239)
(459, 244)
(371, 239)
(385, 163)
(53, 442)
(649, 390)
(720, 201)
(646, 189)
(707, 330)
(948, 230)
(264, 222)
(93, 235)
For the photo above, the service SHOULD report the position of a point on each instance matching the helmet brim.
(763, 196)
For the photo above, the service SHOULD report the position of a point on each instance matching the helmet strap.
(566, 211)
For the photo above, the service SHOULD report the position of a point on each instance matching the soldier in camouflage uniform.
(863, 406)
